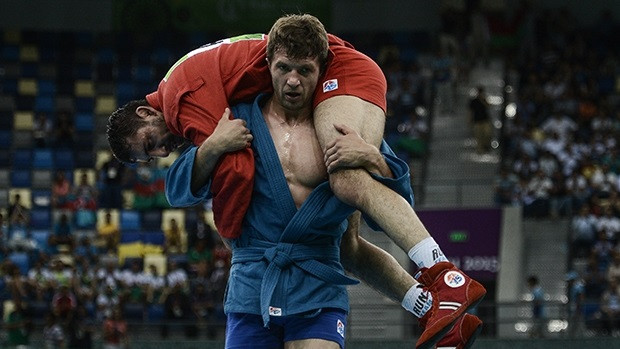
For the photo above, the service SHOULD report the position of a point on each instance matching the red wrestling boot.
(463, 334)
(453, 294)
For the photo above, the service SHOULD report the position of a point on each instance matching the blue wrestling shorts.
(247, 330)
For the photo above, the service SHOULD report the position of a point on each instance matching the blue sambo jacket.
(286, 261)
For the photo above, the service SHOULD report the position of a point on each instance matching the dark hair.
(123, 124)
(299, 37)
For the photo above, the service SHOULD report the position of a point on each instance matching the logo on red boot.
(454, 279)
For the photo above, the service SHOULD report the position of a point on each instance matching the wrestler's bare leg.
(377, 268)
(314, 343)
(355, 186)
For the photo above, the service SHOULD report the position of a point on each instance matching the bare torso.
(299, 152)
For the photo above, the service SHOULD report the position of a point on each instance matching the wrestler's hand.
(230, 134)
(351, 151)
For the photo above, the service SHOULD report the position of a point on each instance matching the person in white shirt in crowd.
(109, 274)
(583, 228)
(106, 302)
(155, 284)
(176, 275)
(561, 124)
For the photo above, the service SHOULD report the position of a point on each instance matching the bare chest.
(301, 157)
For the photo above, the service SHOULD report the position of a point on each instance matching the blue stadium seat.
(85, 159)
(130, 220)
(21, 261)
(40, 218)
(5, 159)
(46, 88)
(29, 70)
(5, 139)
(85, 104)
(22, 159)
(44, 104)
(133, 311)
(41, 198)
(84, 122)
(143, 73)
(7, 118)
(42, 159)
(128, 236)
(151, 220)
(63, 159)
(83, 72)
(10, 53)
(21, 178)
(42, 179)
(154, 237)
(40, 237)
(155, 313)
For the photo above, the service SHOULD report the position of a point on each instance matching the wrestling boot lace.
(453, 294)
(463, 334)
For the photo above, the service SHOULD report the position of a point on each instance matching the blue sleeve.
(401, 183)
(178, 181)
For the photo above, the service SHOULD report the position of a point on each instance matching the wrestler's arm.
(189, 177)
(228, 136)
(371, 264)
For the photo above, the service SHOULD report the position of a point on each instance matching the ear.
(144, 111)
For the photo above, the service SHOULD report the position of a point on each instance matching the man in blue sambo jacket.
(287, 286)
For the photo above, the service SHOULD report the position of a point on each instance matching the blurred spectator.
(176, 276)
(80, 330)
(53, 333)
(107, 303)
(155, 284)
(443, 77)
(583, 228)
(610, 309)
(111, 179)
(132, 282)
(60, 275)
(85, 203)
(84, 283)
(613, 272)
(18, 325)
(202, 306)
(86, 250)
(61, 191)
(64, 131)
(42, 128)
(19, 215)
(538, 298)
(177, 308)
(15, 282)
(109, 233)
(108, 275)
(176, 238)
(481, 121)
(64, 303)
(201, 231)
(115, 334)
(63, 233)
(199, 253)
(505, 186)
(539, 189)
(575, 286)
(38, 281)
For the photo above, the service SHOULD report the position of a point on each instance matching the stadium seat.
(6, 138)
(83, 71)
(29, 53)
(129, 236)
(44, 104)
(21, 178)
(22, 159)
(133, 311)
(47, 71)
(84, 88)
(27, 86)
(42, 159)
(154, 237)
(4, 197)
(10, 53)
(85, 104)
(143, 73)
(84, 122)
(7, 104)
(63, 159)
(41, 237)
(47, 88)
(23, 120)
(105, 104)
(130, 220)
(84, 159)
(65, 103)
(42, 179)
(41, 198)
(5, 179)
(9, 85)
(40, 218)
(155, 313)
(5, 159)
(21, 261)
(22, 139)
(151, 220)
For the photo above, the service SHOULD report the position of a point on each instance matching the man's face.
(153, 139)
(294, 81)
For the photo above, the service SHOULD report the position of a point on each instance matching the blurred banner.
(468, 237)
(230, 16)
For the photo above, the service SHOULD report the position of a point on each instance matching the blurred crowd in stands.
(560, 154)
